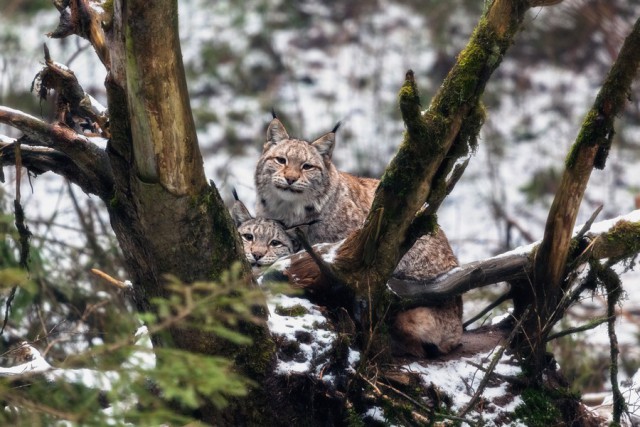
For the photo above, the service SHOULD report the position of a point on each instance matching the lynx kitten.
(297, 182)
(264, 240)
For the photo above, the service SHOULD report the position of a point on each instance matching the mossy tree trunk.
(433, 141)
(168, 220)
(590, 150)
(166, 217)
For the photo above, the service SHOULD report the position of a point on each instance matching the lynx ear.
(239, 211)
(295, 240)
(275, 133)
(326, 142)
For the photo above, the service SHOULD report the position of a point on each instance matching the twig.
(507, 378)
(419, 417)
(502, 298)
(613, 286)
(325, 268)
(23, 232)
(18, 401)
(110, 279)
(7, 308)
(590, 325)
(493, 364)
(587, 225)
(500, 212)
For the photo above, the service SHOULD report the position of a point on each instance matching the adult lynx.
(297, 182)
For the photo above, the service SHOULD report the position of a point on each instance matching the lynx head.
(294, 170)
(264, 240)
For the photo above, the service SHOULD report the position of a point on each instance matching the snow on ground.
(460, 380)
(299, 321)
(304, 318)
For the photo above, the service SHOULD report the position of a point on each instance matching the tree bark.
(589, 150)
(167, 219)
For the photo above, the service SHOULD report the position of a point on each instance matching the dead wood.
(617, 238)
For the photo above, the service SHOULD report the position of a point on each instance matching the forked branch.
(58, 148)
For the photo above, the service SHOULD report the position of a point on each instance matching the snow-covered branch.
(616, 238)
(57, 148)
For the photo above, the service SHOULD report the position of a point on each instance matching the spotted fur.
(264, 240)
(297, 183)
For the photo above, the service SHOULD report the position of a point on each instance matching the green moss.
(114, 202)
(228, 239)
(293, 311)
(259, 357)
(626, 233)
(538, 409)
(597, 127)
(108, 7)
(586, 137)
(422, 141)
(468, 135)
(475, 63)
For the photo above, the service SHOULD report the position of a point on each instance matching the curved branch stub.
(83, 18)
(75, 107)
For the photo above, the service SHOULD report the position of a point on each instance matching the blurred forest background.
(317, 63)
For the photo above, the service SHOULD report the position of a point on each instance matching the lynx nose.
(291, 180)
(257, 255)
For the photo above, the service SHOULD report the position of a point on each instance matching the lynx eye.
(275, 243)
(307, 166)
(281, 160)
(248, 237)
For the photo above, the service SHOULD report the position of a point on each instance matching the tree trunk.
(165, 216)
(590, 150)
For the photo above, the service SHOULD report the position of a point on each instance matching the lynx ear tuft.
(275, 133)
(273, 113)
(239, 211)
(336, 127)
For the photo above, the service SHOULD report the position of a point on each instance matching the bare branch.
(587, 225)
(76, 108)
(489, 371)
(39, 160)
(589, 325)
(617, 238)
(462, 279)
(504, 297)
